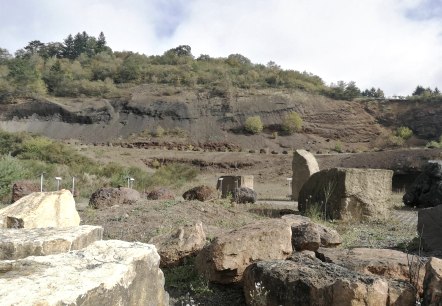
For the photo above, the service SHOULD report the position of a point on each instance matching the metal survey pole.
(58, 182)
(73, 186)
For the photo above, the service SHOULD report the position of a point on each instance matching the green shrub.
(159, 132)
(292, 123)
(435, 144)
(10, 171)
(253, 125)
(338, 147)
(404, 132)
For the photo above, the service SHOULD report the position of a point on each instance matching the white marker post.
(131, 180)
(289, 183)
(58, 182)
(41, 182)
(221, 185)
(73, 186)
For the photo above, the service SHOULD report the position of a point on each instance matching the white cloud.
(375, 43)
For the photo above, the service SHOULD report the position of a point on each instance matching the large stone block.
(41, 209)
(308, 281)
(304, 165)
(105, 273)
(224, 260)
(228, 183)
(21, 243)
(433, 283)
(426, 190)
(429, 227)
(348, 193)
(186, 241)
(387, 263)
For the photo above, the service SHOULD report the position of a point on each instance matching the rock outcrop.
(41, 209)
(105, 273)
(201, 193)
(244, 195)
(108, 196)
(224, 260)
(303, 280)
(304, 165)
(348, 193)
(23, 188)
(173, 248)
(433, 283)
(429, 227)
(426, 190)
(21, 243)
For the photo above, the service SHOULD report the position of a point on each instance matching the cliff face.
(205, 117)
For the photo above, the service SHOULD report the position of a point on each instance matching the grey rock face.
(426, 191)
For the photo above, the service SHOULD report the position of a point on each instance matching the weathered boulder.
(304, 165)
(426, 190)
(41, 209)
(330, 238)
(23, 188)
(224, 260)
(429, 227)
(108, 196)
(303, 280)
(244, 195)
(306, 237)
(21, 243)
(160, 194)
(173, 248)
(348, 193)
(387, 263)
(105, 273)
(433, 283)
(201, 193)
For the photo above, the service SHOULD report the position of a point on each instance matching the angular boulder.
(23, 188)
(105, 273)
(225, 259)
(108, 196)
(41, 209)
(173, 248)
(305, 237)
(429, 227)
(304, 165)
(433, 283)
(330, 238)
(348, 193)
(244, 195)
(21, 243)
(201, 193)
(387, 263)
(160, 194)
(307, 281)
(426, 190)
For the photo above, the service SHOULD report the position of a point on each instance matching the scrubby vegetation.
(292, 123)
(83, 65)
(253, 125)
(404, 132)
(25, 156)
(435, 144)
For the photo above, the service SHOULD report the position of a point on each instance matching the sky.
(392, 44)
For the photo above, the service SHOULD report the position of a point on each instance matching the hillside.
(193, 116)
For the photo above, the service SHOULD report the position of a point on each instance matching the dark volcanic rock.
(160, 194)
(23, 188)
(105, 197)
(426, 191)
(201, 193)
(244, 195)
